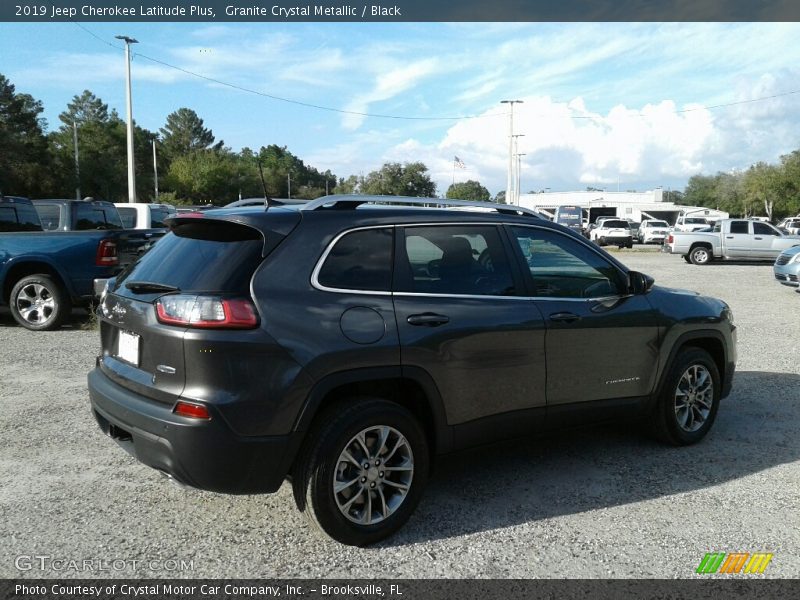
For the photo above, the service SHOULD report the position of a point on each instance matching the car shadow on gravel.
(581, 470)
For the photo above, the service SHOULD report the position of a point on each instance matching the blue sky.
(603, 102)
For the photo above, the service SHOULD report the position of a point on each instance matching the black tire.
(629, 245)
(39, 302)
(314, 475)
(700, 255)
(601, 241)
(687, 259)
(666, 422)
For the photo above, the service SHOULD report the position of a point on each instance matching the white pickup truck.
(142, 215)
(734, 239)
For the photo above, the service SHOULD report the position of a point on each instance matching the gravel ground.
(601, 502)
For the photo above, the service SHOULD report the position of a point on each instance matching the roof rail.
(351, 201)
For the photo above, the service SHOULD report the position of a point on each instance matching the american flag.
(459, 163)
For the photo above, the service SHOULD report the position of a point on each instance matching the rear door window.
(157, 216)
(740, 227)
(19, 217)
(454, 260)
(360, 260)
(95, 216)
(202, 257)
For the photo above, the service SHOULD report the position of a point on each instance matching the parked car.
(634, 225)
(614, 232)
(77, 215)
(18, 214)
(349, 347)
(144, 215)
(737, 239)
(44, 274)
(653, 230)
(684, 223)
(790, 225)
(787, 267)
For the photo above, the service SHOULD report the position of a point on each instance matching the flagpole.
(454, 171)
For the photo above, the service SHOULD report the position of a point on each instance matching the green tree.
(701, 190)
(280, 166)
(762, 186)
(500, 198)
(394, 179)
(184, 132)
(468, 190)
(102, 150)
(205, 176)
(351, 185)
(24, 158)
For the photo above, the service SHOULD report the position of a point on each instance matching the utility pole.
(77, 163)
(155, 170)
(289, 184)
(519, 174)
(510, 177)
(131, 166)
(515, 180)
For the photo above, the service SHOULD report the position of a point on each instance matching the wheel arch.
(710, 340)
(410, 387)
(24, 268)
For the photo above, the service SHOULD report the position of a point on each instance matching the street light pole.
(131, 166)
(519, 174)
(515, 181)
(155, 171)
(77, 162)
(510, 177)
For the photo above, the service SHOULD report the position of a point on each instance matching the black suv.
(346, 342)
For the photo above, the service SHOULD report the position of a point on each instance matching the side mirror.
(639, 283)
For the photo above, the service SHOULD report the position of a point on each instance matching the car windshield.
(657, 224)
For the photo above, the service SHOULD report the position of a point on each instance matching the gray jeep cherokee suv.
(346, 342)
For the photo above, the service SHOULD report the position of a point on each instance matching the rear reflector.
(206, 312)
(190, 409)
(107, 254)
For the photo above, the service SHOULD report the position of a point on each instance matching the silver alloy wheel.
(373, 475)
(35, 303)
(700, 255)
(694, 397)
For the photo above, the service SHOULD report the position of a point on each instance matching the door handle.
(428, 320)
(565, 317)
(758, 238)
(730, 237)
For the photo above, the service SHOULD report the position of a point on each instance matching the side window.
(158, 216)
(739, 227)
(564, 268)
(360, 260)
(717, 227)
(454, 259)
(764, 229)
(128, 216)
(88, 217)
(50, 215)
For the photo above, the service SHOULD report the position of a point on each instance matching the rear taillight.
(669, 239)
(107, 254)
(208, 312)
(191, 409)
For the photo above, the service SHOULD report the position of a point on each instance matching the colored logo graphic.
(735, 562)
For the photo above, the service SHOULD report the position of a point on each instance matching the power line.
(402, 117)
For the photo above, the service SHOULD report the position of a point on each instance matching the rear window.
(209, 256)
(128, 216)
(615, 224)
(158, 215)
(50, 214)
(19, 217)
(95, 216)
(657, 224)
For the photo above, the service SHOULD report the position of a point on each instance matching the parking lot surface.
(599, 502)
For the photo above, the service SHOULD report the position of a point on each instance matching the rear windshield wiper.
(150, 286)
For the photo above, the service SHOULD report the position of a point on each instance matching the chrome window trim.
(318, 267)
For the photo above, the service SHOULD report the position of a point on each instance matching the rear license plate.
(128, 347)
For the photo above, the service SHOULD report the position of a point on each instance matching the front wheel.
(363, 471)
(689, 399)
(700, 255)
(39, 303)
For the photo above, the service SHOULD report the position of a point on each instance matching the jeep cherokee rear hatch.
(193, 287)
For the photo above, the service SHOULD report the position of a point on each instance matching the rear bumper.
(204, 454)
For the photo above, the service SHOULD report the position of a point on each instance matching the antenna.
(264, 186)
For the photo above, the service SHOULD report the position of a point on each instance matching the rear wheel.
(363, 471)
(38, 303)
(689, 399)
(700, 255)
(687, 259)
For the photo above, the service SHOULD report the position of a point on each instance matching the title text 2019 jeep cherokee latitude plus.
(345, 348)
